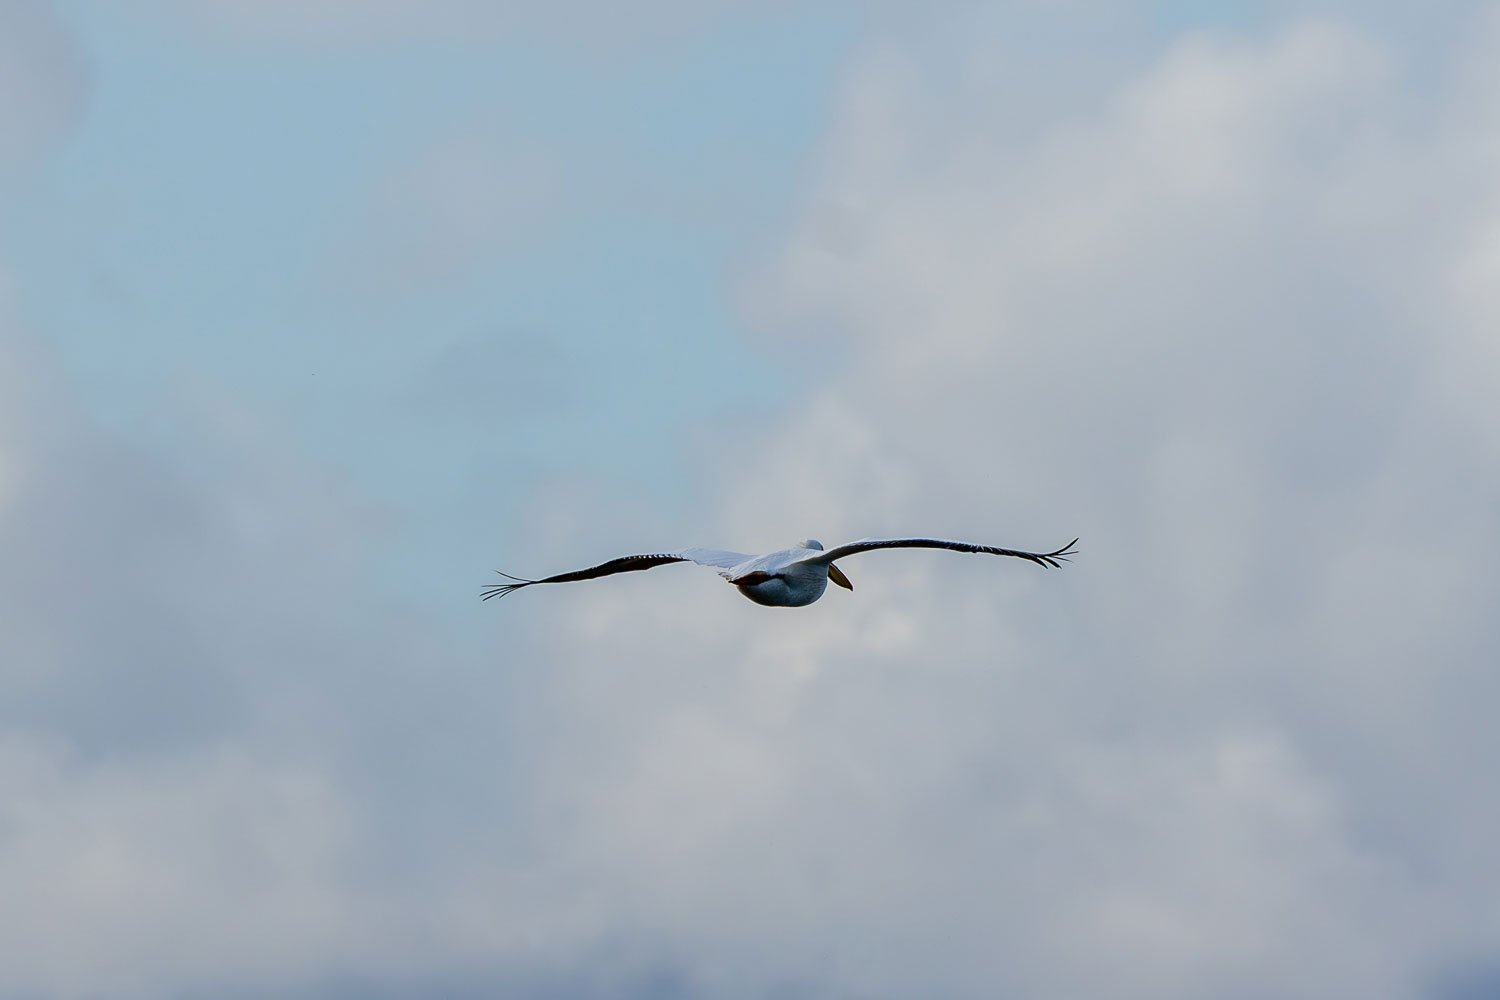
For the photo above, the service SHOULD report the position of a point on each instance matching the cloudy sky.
(311, 315)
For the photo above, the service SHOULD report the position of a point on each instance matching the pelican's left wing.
(624, 564)
(1053, 559)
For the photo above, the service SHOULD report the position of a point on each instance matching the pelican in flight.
(789, 578)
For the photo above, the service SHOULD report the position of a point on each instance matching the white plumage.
(788, 578)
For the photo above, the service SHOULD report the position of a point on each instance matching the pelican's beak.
(837, 576)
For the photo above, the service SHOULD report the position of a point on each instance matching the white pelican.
(789, 578)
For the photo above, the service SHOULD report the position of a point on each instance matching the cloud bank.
(1228, 318)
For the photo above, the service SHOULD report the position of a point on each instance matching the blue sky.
(206, 228)
(312, 315)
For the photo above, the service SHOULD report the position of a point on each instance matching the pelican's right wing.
(625, 564)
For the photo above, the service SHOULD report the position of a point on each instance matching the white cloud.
(123, 878)
(1195, 326)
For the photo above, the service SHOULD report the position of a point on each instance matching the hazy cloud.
(42, 81)
(436, 219)
(350, 22)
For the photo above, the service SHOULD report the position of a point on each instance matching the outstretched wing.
(1054, 559)
(624, 564)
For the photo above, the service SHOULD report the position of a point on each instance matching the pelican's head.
(834, 573)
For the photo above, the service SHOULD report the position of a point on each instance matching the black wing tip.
(518, 579)
(1057, 558)
(504, 589)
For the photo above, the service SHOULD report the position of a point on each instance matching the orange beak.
(837, 576)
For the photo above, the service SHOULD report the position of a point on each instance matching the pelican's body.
(787, 578)
(790, 578)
